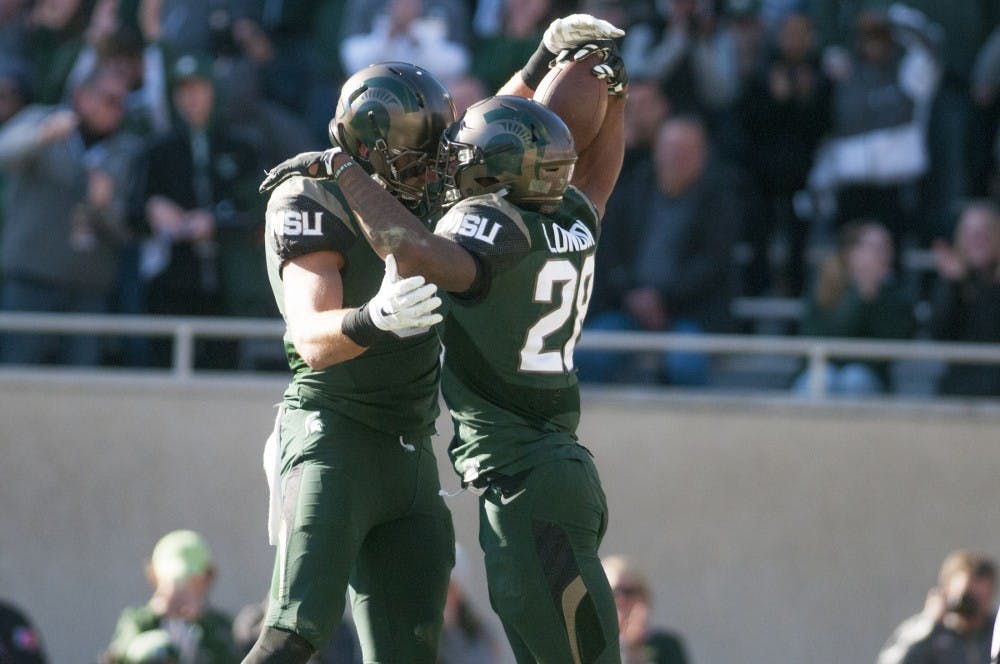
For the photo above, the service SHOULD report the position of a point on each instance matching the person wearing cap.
(196, 201)
(181, 571)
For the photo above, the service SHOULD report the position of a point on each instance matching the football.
(571, 90)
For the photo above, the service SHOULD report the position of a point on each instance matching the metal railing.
(817, 351)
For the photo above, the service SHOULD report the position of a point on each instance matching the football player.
(353, 478)
(515, 251)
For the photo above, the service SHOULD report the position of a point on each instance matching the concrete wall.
(772, 532)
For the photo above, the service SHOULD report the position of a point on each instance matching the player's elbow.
(315, 355)
(315, 360)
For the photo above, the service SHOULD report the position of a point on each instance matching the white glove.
(577, 29)
(404, 307)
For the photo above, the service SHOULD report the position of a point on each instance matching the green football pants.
(540, 533)
(360, 509)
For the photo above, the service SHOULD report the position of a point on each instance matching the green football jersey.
(392, 386)
(508, 376)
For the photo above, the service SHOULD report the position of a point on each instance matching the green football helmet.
(389, 118)
(507, 143)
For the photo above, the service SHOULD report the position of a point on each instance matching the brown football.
(573, 92)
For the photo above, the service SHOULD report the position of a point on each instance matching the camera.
(965, 606)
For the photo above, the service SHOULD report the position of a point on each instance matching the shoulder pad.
(490, 228)
(303, 216)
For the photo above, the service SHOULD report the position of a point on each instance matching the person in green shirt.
(182, 572)
(857, 296)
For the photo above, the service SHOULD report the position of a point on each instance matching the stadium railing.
(817, 352)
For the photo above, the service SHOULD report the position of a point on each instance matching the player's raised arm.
(566, 33)
(600, 162)
(391, 228)
(586, 86)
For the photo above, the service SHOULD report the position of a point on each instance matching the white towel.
(272, 470)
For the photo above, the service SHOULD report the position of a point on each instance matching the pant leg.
(540, 538)
(400, 580)
(328, 507)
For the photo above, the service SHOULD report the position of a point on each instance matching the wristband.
(359, 327)
(537, 66)
(341, 169)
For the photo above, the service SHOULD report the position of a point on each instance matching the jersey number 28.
(575, 289)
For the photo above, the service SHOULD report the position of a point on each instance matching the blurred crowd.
(843, 153)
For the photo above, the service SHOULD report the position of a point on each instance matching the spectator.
(464, 637)
(675, 246)
(785, 111)
(198, 192)
(641, 643)
(64, 225)
(427, 33)
(695, 55)
(966, 302)
(954, 139)
(882, 94)
(272, 127)
(182, 573)
(956, 624)
(20, 642)
(856, 295)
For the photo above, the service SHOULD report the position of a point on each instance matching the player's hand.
(611, 68)
(307, 164)
(577, 29)
(612, 71)
(404, 307)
